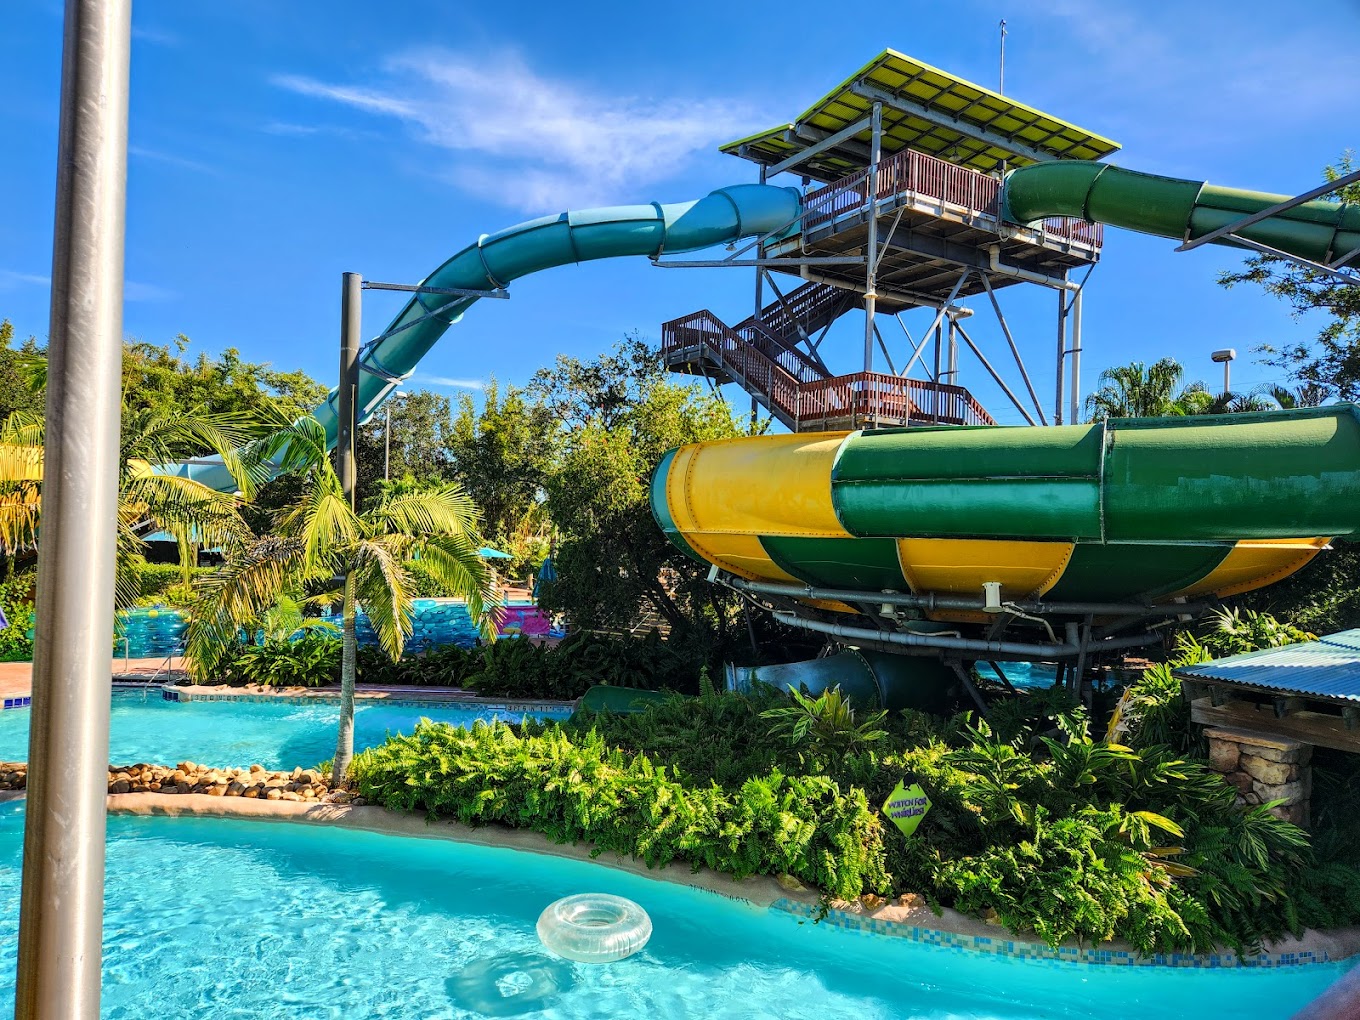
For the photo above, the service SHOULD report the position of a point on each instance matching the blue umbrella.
(546, 574)
(488, 553)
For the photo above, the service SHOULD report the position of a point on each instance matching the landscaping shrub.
(163, 583)
(16, 599)
(578, 788)
(1058, 834)
(311, 660)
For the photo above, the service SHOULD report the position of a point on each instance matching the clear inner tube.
(594, 928)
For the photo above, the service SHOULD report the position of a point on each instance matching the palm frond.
(383, 584)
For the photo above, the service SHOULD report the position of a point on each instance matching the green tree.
(613, 563)
(1330, 362)
(320, 538)
(1138, 390)
(17, 389)
(599, 392)
(503, 455)
(420, 441)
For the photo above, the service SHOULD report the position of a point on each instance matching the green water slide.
(1169, 207)
(728, 214)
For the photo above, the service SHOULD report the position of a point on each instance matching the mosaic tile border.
(17, 702)
(1020, 950)
(478, 703)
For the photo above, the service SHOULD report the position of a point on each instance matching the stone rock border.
(255, 782)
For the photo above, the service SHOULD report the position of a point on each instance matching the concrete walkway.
(16, 678)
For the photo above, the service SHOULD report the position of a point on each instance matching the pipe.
(995, 264)
(62, 899)
(933, 602)
(970, 645)
(742, 210)
(1178, 209)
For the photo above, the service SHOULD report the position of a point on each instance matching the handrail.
(918, 173)
(801, 397)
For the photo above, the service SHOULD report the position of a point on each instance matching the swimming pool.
(154, 632)
(143, 727)
(216, 918)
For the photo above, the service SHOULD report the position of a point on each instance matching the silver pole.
(871, 243)
(1001, 85)
(61, 907)
(1062, 354)
(1227, 382)
(1076, 359)
(387, 442)
(351, 325)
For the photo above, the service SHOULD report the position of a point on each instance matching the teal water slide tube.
(1181, 209)
(728, 214)
(868, 679)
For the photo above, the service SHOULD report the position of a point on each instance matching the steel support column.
(61, 906)
(1076, 359)
(871, 243)
(1062, 357)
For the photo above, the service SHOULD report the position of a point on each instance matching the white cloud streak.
(531, 142)
(443, 380)
(9, 280)
(171, 159)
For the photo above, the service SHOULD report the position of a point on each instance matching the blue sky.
(274, 146)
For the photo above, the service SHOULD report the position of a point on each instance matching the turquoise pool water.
(209, 918)
(143, 727)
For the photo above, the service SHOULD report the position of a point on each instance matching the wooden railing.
(810, 306)
(800, 396)
(911, 172)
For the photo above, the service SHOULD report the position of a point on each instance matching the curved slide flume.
(728, 214)
(1175, 208)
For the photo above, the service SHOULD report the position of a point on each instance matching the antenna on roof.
(1001, 86)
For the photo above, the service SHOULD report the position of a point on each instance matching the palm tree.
(1305, 395)
(1141, 391)
(147, 500)
(320, 539)
(1201, 401)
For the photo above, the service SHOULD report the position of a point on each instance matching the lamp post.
(392, 397)
(1225, 358)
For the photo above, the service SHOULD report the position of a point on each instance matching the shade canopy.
(488, 553)
(926, 109)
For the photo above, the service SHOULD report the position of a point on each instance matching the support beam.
(942, 119)
(1229, 229)
(1015, 350)
(934, 326)
(1075, 384)
(996, 376)
(871, 243)
(828, 142)
(61, 902)
(1062, 358)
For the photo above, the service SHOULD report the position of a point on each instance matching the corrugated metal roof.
(992, 124)
(1328, 668)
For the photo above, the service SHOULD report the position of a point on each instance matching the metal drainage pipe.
(974, 645)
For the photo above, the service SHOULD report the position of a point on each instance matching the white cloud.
(154, 36)
(171, 159)
(9, 279)
(134, 291)
(531, 142)
(443, 380)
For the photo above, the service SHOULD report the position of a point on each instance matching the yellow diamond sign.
(906, 806)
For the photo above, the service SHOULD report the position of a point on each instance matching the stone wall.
(1265, 768)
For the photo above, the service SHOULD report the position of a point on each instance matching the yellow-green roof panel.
(952, 113)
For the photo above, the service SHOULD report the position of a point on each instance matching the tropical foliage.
(319, 539)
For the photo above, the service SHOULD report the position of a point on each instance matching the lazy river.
(213, 918)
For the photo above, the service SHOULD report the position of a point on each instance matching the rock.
(990, 916)
(343, 797)
(290, 795)
(180, 775)
(217, 790)
(184, 788)
(273, 793)
(257, 768)
(296, 774)
(251, 791)
(1293, 792)
(187, 766)
(121, 786)
(308, 794)
(235, 788)
(1252, 798)
(1240, 780)
(154, 786)
(1264, 770)
(911, 900)
(1223, 755)
(122, 777)
(872, 902)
